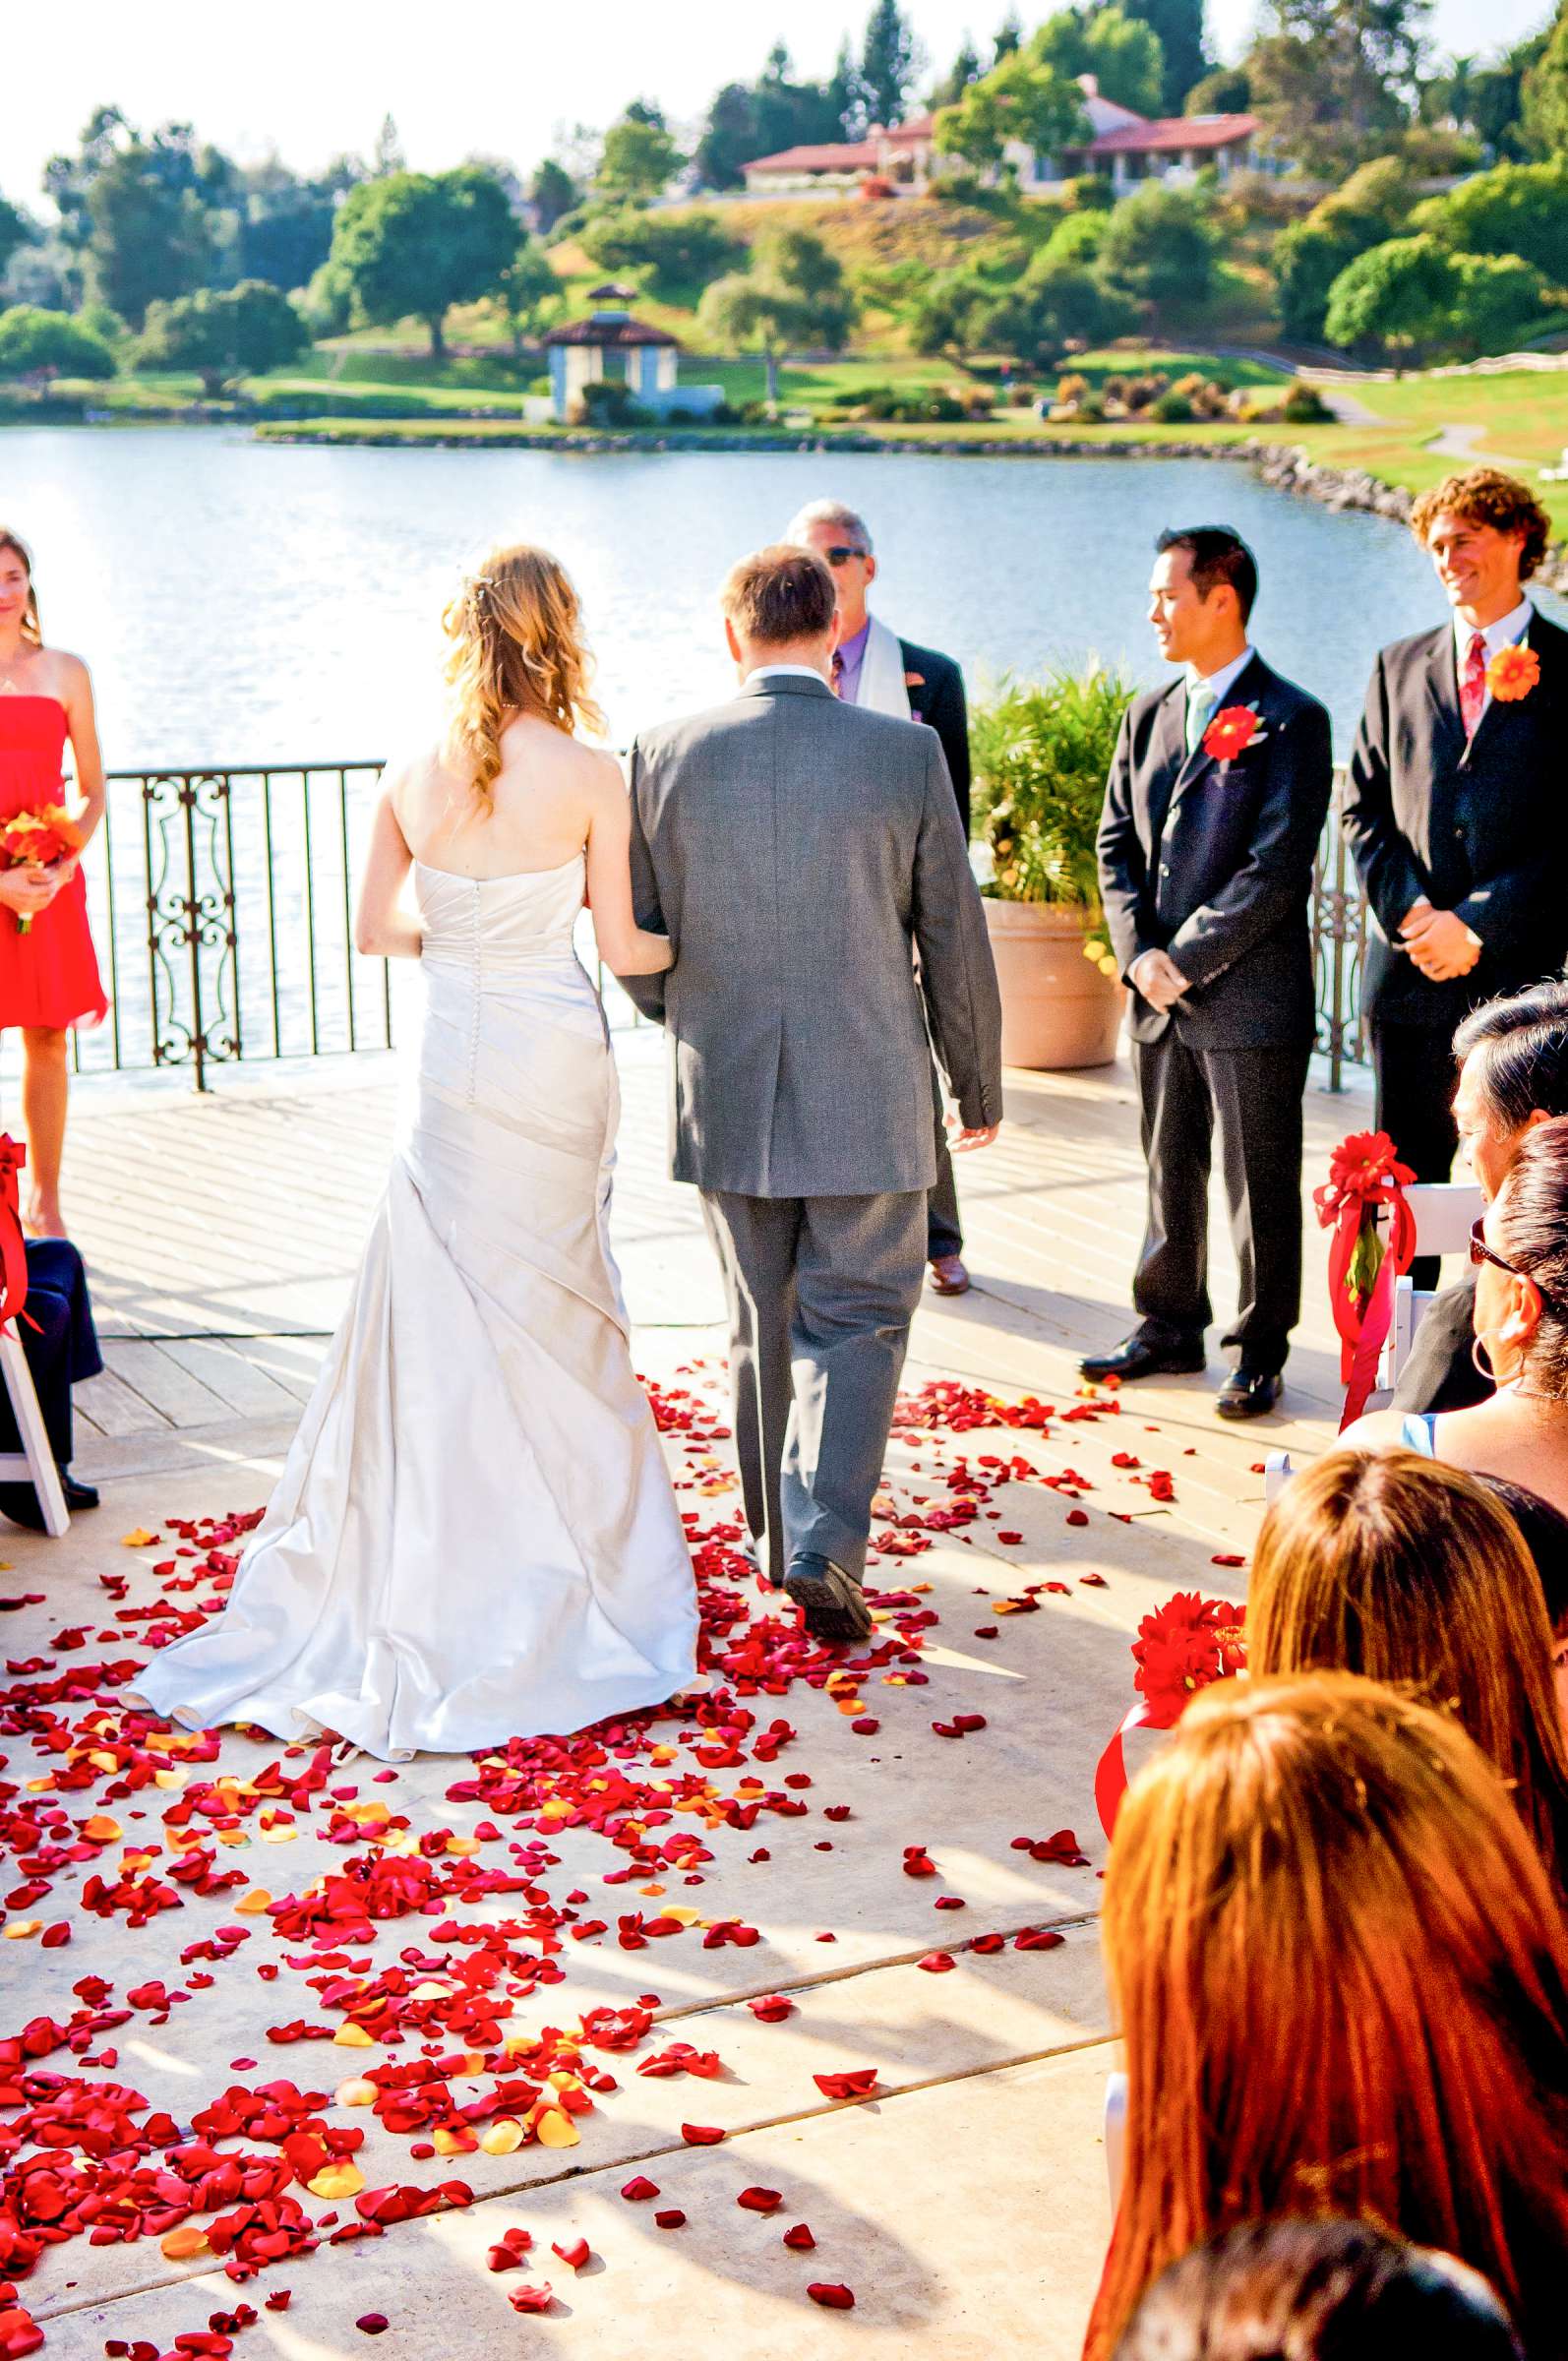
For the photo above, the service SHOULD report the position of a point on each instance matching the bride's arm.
(382, 927)
(626, 948)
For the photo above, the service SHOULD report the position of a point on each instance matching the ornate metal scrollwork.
(190, 940)
(1338, 953)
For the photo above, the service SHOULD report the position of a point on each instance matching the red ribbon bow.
(1363, 1174)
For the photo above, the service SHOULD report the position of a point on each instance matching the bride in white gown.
(474, 1537)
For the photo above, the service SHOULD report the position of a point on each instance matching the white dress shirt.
(1499, 634)
(1219, 682)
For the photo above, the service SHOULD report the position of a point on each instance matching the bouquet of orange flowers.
(35, 839)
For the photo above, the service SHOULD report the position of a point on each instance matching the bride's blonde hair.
(517, 645)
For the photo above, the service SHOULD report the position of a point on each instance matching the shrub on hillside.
(1515, 208)
(1305, 406)
(1172, 409)
(40, 343)
(678, 250)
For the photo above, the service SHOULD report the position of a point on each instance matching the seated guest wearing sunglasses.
(873, 666)
(1511, 1055)
(1520, 1250)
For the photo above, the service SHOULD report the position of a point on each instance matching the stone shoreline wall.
(1288, 468)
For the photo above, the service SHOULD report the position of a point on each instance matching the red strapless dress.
(48, 976)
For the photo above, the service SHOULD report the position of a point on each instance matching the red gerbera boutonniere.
(1512, 673)
(1231, 731)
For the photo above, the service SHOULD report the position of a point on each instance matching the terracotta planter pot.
(1058, 1009)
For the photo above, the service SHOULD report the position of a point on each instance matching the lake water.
(243, 602)
(248, 604)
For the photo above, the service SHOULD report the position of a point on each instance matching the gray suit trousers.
(821, 1292)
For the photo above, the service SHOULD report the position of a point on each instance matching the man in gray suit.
(800, 852)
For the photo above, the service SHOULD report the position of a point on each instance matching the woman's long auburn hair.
(516, 646)
(1341, 1975)
(31, 629)
(1397, 1566)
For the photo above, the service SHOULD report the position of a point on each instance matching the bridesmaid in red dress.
(48, 976)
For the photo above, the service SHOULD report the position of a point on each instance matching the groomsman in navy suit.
(1456, 809)
(1217, 796)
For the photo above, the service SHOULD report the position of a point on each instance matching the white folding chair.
(35, 1463)
(1277, 1474)
(1444, 1212)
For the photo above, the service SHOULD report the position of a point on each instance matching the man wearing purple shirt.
(873, 666)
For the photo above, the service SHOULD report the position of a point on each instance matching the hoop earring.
(1481, 1363)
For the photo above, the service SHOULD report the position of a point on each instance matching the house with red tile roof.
(1128, 147)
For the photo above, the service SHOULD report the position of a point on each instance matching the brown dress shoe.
(948, 1276)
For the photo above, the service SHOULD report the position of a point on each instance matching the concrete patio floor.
(964, 2201)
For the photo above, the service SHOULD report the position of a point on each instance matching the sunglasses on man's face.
(842, 556)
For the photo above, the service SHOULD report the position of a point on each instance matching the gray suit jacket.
(800, 852)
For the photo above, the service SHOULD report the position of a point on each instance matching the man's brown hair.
(1485, 496)
(777, 595)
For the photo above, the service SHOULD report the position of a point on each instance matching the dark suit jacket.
(1478, 826)
(937, 699)
(1212, 862)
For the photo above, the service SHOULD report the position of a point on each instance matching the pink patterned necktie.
(838, 672)
(1473, 688)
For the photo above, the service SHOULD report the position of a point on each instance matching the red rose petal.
(854, 2082)
(671, 2218)
(532, 2299)
(371, 2322)
(700, 2135)
(575, 2253)
(833, 2297)
(799, 2238)
(760, 2201)
(937, 1963)
(638, 2189)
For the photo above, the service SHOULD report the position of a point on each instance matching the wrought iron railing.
(221, 901)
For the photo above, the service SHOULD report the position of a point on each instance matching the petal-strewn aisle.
(284, 2018)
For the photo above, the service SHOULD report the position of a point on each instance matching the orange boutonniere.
(914, 679)
(1512, 673)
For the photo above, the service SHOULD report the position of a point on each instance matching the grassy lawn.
(1524, 417)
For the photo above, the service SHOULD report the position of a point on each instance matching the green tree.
(889, 63)
(1309, 256)
(1056, 307)
(1179, 27)
(1514, 208)
(639, 157)
(531, 293)
(1159, 246)
(286, 225)
(1017, 100)
(1544, 94)
(413, 244)
(224, 335)
(552, 192)
(679, 250)
(149, 237)
(946, 311)
(1123, 53)
(1228, 90)
(1078, 238)
(14, 230)
(1009, 38)
(39, 344)
(794, 293)
(1413, 298)
(727, 140)
(1335, 80)
(965, 69)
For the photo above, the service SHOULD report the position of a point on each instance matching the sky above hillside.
(314, 77)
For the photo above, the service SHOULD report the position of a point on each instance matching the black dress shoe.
(20, 1502)
(1141, 1356)
(831, 1600)
(1249, 1393)
(78, 1496)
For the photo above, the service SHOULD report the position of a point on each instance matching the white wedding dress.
(474, 1537)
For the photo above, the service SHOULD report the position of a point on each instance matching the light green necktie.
(1201, 701)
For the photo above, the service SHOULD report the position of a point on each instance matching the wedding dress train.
(474, 1537)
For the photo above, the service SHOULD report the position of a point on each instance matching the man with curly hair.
(1456, 811)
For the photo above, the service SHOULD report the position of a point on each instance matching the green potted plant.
(1042, 751)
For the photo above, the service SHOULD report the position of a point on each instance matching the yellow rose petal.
(20, 1930)
(503, 2137)
(355, 2092)
(179, 2245)
(252, 1903)
(353, 2036)
(341, 2179)
(556, 2130)
(139, 1537)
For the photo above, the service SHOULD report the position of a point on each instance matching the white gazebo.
(611, 344)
